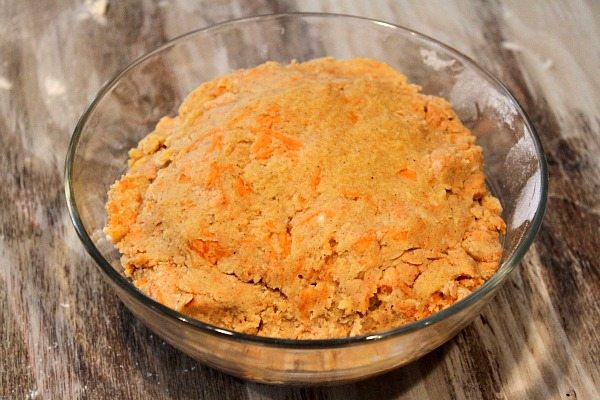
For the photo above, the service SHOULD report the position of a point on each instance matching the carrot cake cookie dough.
(315, 200)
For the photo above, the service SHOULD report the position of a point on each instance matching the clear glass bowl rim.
(507, 266)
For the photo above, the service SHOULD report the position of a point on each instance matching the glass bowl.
(128, 107)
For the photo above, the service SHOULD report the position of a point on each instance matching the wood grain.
(64, 334)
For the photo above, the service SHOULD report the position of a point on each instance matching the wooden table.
(64, 334)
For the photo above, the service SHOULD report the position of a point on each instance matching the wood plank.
(64, 334)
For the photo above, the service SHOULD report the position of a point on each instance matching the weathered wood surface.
(64, 334)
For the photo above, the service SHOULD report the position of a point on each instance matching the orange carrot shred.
(219, 90)
(241, 187)
(285, 243)
(223, 200)
(183, 178)
(262, 147)
(270, 224)
(369, 200)
(407, 173)
(210, 250)
(351, 195)
(217, 143)
(353, 117)
(404, 288)
(213, 174)
(400, 235)
(289, 142)
(364, 242)
(315, 180)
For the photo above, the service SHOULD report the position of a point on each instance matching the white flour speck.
(545, 63)
(527, 201)
(433, 60)
(54, 87)
(98, 8)
(470, 89)
(95, 9)
(511, 46)
(5, 83)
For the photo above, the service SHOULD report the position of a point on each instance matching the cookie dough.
(314, 200)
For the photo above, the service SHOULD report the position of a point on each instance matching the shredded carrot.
(436, 297)
(242, 115)
(213, 174)
(200, 140)
(210, 250)
(351, 195)
(270, 224)
(299, 266)
(309, 298)
(400, 235)
(241, 187)
(406, 310)
(264, 126)
(289, 142)
(364, 241)
(261, 148)
(370, 201)
(301, 201)
(285, 243)
(265, 120)
(405, 288)
(368, 260)
(141, 281)
(126, 184)
(315, 180)
(249, 240)
(223, 200)
(185, 204)
(183, 178)
(353, 117)
(219, 90)
(217, 143)
(418, 107)
(206, 233)
(212, 181)
(274, 109)
(439, 299)
(407, 173)
(271, 116)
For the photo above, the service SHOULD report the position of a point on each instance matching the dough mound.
(315, 200)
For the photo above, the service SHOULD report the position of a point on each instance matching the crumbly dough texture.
(315, 200)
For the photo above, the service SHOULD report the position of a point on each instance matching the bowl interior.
(130, 105)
